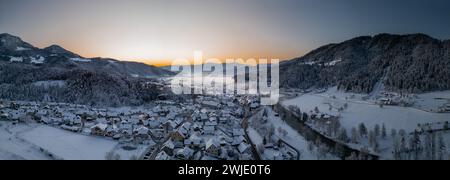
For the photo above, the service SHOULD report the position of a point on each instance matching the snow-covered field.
(14, 148)
(359, 111)
(432, 101)
(36, 142)
(67, 145)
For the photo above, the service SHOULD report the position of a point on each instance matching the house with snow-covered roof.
(238, 132)
(168, 147)
(70, 128)
(196, 127)
(237, 140)
(99, 129)
(209, 130)
(154, 123)
(273, 155)
(194, 141)
(244, 148)
(203, 117)
(141, 131)
(180, 134)
(210, 123)
(126, 129)
(212, 147)
(185, 153)
(187, 126)
(162, 156)
(169, 126)
(211, 104)
(158, 133)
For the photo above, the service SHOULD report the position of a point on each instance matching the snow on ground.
(80, 60)
(391, 116)
(6, 155)
(359, 111)
(432, 101)
(292, 137)
(14, 148)
(38, 60)
(67, 145)
(130, 154)
(36, 142)
(47, 84)
(254, 136)
(21, 49)
(15, 59)
(334, 62)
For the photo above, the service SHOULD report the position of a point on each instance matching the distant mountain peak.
(10, 42)
(6, 35)
(58, 50)
(55, 47)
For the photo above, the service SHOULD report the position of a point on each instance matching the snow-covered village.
(305, 125)
(209, 130)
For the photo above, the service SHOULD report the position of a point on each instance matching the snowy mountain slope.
(13, 49)
(416, 63)
(56, 50)
(95, 81)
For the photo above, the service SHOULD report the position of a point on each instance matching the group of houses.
(208, 127)
(444, 108)
(396, 99)
(213, 131)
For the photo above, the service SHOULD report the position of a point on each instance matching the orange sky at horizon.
(91, 53)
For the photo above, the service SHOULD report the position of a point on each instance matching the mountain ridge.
(54, 74)
(412, 63)
(13, 48)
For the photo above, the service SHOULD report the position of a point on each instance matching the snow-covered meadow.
(67, 145)
(359, 111)
(386, 128)
(36, 141)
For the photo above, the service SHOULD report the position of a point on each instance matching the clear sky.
(156, 30)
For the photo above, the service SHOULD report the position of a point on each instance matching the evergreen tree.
(442, 149)
(354, 136)
(372, 138)
(343, 135)
(393, 133)
(377, 130)
(415, 146)
(362, 130)
(429, 146)
(383, 132)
